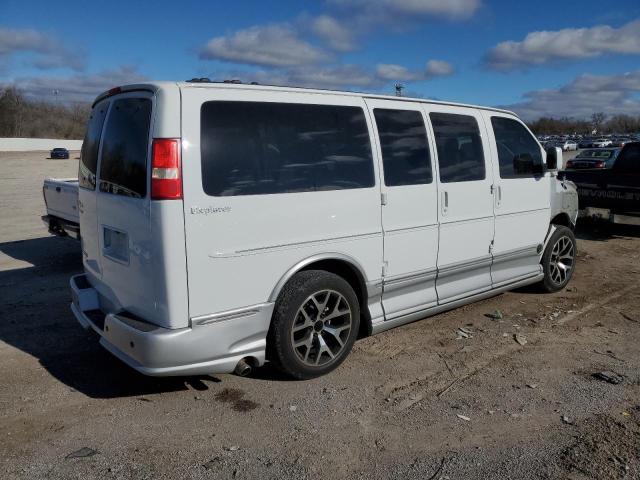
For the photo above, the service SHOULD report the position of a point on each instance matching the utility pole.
(56, 92)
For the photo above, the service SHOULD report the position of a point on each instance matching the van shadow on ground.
(36, 319)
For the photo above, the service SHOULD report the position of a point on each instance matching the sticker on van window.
(209, 210)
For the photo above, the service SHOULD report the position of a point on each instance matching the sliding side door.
(465, 179)
(409, 207)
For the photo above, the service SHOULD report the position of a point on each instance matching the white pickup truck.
(61, 200)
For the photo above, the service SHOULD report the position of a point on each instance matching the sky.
(543, 58)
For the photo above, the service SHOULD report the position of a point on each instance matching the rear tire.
(315, 322)
(558, 259)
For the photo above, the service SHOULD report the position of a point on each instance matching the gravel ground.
(414, 402)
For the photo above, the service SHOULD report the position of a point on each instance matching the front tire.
(558, 259)
(315, 323)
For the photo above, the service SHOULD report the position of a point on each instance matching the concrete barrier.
(37, 144)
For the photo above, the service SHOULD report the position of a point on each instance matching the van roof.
(154, 86)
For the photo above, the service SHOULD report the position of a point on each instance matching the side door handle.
(498, 195)
(445, 202)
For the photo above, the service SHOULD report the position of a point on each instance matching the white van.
(225, 225)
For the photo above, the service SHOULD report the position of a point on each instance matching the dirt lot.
(414, 402)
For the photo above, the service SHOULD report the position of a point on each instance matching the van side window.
(123, 164)
(405, 152)
(518, 152)
(253, 148)
(460, 154)
(629, 159)
(90, 145)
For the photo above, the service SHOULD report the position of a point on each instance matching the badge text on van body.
(209, 210)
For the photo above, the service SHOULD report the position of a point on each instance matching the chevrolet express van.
(225, 225)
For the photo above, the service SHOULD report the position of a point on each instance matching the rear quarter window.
(254, 148)
(123, 163)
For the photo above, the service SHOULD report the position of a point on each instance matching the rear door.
(521, 200)
(123, 225)
(465, 179)
(87, 174)
(410, 207)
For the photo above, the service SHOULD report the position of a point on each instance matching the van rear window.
(253, 148)
(123, 164)
(90, 145)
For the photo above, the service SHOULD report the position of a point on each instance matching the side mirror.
(554, 158)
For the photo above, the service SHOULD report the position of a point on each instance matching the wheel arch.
(563, 219)
(339, 264)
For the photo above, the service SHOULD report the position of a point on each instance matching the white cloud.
(610, 94)
(335, 77)
(450, 9)
(48, 52)
(269, 45)
(438, 68)
(333, 32)
(78, 87)
(398, 73)
(542, 47)
(345, 76)
(342, 77)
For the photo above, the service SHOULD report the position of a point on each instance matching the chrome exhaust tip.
(243, 368)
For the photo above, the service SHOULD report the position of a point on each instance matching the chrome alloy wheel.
(561, 260)
(321, 328)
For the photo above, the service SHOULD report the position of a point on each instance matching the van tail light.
(166, 170)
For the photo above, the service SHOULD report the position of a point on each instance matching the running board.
(429, 312)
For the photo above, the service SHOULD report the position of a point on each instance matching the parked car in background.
(611, 193)
(593, 158)
(585, 142)
(620, 141)
(568, 145)
(59, 153)
(600, 143)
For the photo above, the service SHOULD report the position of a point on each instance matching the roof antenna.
(399, 88)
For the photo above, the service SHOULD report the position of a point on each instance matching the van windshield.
(123, 164)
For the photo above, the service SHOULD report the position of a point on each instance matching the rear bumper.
(214, 347)
(627, 218)
(62, 227)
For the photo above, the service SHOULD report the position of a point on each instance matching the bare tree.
(21, 117)
(597, 119)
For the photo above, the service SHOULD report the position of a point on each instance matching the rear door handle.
(445, 202)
